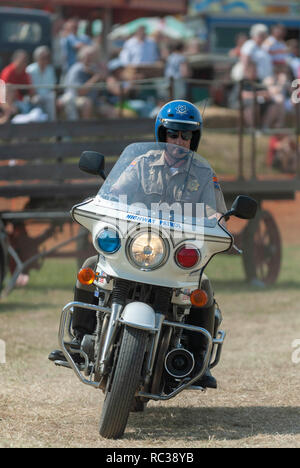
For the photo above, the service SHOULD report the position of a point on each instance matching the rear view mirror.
(243, 207)
(92, 163)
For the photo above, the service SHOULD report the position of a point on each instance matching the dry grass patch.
(256, 404)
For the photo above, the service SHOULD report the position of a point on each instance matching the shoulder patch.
(216, 183)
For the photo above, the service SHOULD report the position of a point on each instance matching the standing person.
(177, 68)
(269, 100)
(239, 42)
(178, 123)
(139, 49)
(252, 51)
(57, 53)
(71, 43)
(293, 60)
(276, 46)
(42, 73)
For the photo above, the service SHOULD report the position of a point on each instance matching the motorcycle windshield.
(164, 181)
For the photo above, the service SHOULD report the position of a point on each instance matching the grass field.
(256, 404)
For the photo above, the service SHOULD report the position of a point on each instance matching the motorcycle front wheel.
(120, 396)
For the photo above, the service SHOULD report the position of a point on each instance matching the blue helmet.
(179, 115)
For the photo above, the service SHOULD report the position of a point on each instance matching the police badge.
(193, 185)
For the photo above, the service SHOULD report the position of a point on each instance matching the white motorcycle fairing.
(96, 216)
(139, 315)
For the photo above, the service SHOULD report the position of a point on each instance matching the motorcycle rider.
(179, 123)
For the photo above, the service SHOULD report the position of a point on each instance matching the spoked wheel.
(120, 396)
(262, 249)
(2, 270)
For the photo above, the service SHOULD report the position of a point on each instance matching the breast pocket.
(153, 183)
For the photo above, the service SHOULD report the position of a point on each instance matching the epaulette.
(153, 153)
(199, 161)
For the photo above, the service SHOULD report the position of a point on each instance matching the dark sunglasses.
(185, 135)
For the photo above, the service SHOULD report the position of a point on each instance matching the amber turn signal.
(199, 298)
(86, 276)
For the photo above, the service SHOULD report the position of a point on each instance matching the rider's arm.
(127, 180)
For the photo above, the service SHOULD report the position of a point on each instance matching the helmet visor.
(180, 125)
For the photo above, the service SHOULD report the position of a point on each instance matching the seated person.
(83, 101)
(122, 93)
(17, 100)
(282, 154)
(42, 73)
(271, 105)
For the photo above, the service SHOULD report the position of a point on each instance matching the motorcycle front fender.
(139, 315)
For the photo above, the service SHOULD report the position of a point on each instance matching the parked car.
(22, 28)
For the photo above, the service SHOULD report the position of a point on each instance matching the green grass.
(57, 277)
(227, 274)
(222, 152)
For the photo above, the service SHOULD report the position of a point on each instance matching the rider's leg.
(203, 317)
(83, 320)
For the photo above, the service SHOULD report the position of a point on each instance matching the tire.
(262, 249)
(3, 256)
(120, 396)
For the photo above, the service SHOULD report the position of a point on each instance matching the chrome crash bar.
(214, 346)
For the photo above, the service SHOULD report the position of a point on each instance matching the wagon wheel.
(2, 266)
(262, 249)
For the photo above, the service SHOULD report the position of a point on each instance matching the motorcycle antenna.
(191, 160)
(204, 108)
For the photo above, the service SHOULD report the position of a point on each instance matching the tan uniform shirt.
(157, 182)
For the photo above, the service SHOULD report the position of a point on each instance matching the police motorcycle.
(151, 262)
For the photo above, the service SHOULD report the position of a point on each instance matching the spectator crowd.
(266, 65)
(74, 81)
(92, 85)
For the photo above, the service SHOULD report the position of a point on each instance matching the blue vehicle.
(219, 31)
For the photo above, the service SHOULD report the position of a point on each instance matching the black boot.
(207, 380)
(203, 317)
(58, 355)
(83, 322)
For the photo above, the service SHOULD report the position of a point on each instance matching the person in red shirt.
(15, 74)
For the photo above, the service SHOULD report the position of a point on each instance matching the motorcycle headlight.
(147, 251)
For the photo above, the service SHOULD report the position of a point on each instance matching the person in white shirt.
(293, 59)
(139, 49)
(42, 73)
(252, 51)
(178, 69)
(275, 45)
